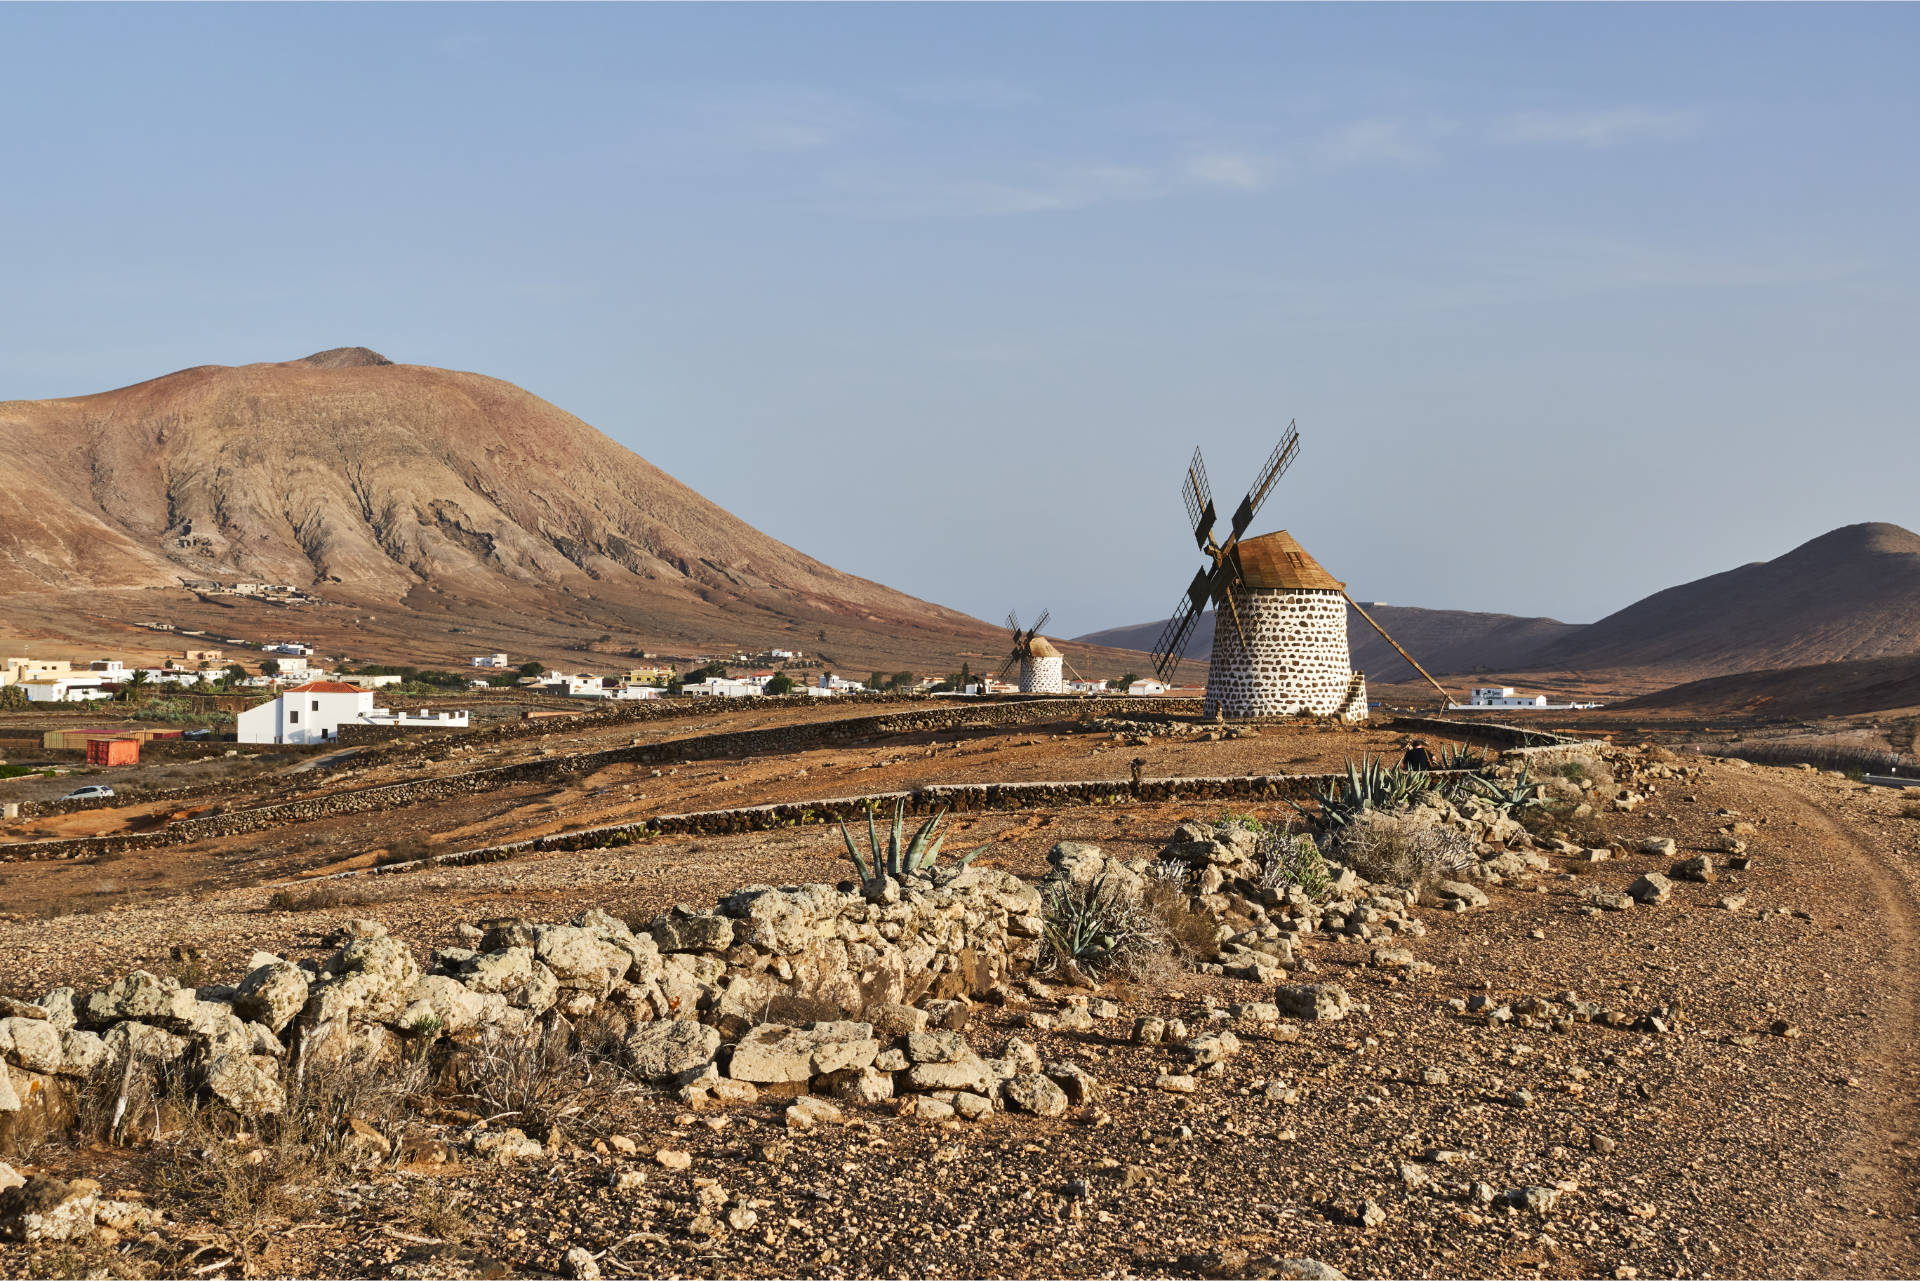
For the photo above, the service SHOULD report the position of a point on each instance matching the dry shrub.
(1911, 809)
(1190, 933)
(1101, 928)
(405, 850)
(1393, 851)
(248, 1176)
(540, 1080)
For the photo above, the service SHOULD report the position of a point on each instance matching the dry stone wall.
(672, 989)
(1294, 658)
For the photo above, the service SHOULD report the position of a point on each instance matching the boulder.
(145, 1042)
(246, 1083)
(33, 1044)
(774, 1053)
(666, 1049)
(368, 979)
(1699, 869)
(936, 1046)
(580, 958)
(969, 1073)
(1036, 1093)
(682, 930)
(1313, 1001)
(443, 1006)
(44, 1208)
(271, 994)
(503, 971)
(1651, 889)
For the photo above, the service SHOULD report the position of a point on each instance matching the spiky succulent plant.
(902, 855)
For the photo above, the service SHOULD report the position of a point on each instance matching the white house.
(316, 711)
(290, 647)
(488, 660)
(364, 681)
(293, 665)
(1147, 688)
(1506, 696)
(720, 687)
(1086, 687)
(840, 684)
(64, 689)
(309, 713)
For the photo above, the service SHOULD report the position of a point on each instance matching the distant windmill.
(1039, 661)
(1280, 620)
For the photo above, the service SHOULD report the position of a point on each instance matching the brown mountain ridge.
(440, 492)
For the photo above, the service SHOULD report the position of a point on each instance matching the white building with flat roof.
(316, 712)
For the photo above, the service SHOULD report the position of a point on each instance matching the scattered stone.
(502, 1147)
(809, 1111)
(1175, 1083)
(1651, 889)
(43, 1208)
(580, 1264)
(1659, 846)
(1313, 1001)
(662, 1050)
(1036, 1093)
(1698, 869)
(673, 1159)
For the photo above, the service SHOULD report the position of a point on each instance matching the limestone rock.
(936, 1047)
(1036, 1093)
(44, 1208)
(33, 1044)
(1313, 1001)
(665, 1049)
(243, 1084)
(1652, 889)
(773, 1053)
(271, 994)
(681, 930)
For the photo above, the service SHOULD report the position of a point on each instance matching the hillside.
(1853, 593)
(1443, 640)
(1817, 690)
(438, 494)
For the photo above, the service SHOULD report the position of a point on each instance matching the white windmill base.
(1295, 659)
(1041, 675)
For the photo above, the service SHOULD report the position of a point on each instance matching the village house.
(1147, 688)
(487, 660)
(316, 712)
(71, 688)
(20, 669)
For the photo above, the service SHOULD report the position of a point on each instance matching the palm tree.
(135, 688)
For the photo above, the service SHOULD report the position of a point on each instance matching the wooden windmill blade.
(1173, 637)
(1038, 623)
(1277, 463)
(1198, 497)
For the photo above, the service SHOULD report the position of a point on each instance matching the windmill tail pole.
(1444, 696)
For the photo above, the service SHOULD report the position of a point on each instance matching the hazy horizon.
(1571, 304)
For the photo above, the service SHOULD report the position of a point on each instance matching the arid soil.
(1768, 1130)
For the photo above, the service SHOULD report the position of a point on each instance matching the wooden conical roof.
(1277, 562)
(1042, 648)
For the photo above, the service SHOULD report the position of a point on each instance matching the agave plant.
(1372, 785)
(902, 856)
(1506, 797)
(1459, 756)
(1099, 927)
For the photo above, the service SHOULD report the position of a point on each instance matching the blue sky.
(1571, 303)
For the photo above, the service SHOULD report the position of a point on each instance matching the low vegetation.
(1102, 929)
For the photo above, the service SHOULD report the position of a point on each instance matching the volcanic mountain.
(1852, 593)
(450, 497)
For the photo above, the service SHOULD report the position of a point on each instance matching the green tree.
(233, 675)
(135, 687)
(1123, 681)
(901, 680)
(269, 667)
(780, 684)
(532, 667)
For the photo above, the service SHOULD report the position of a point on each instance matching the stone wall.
(1486, 732)
(671, 989)
(774, 740)
(1294, 658)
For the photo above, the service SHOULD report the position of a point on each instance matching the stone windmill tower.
(1040, 662)
(1280, 620)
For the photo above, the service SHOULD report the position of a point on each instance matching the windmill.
(1039, 661)
(1280, 620)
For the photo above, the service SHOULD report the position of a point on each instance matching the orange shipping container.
(113, 751)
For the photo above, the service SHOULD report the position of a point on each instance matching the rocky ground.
(1719, 1083)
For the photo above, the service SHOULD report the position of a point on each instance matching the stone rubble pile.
(684, 981)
